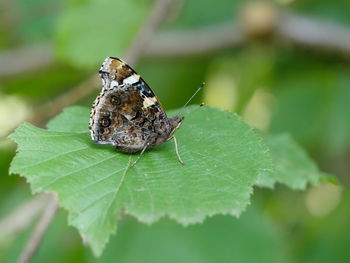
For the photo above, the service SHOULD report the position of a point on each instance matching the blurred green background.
(269, 73)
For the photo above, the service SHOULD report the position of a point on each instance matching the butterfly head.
(175, 124)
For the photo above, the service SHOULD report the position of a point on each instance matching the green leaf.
(320, 89)
(251, 238)
(293, 167)
(223, 158)
(73, 119)
(89, 32)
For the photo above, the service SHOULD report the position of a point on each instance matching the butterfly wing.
(126, 114)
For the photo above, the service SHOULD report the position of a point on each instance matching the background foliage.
(300, 94)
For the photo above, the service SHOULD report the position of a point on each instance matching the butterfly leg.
(177, 151)
(139, 157)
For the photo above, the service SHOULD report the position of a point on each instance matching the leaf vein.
(54, 157)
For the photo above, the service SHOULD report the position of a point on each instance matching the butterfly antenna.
(194, 94)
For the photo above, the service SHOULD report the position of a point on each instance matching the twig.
(25, 59)
(50, 109)
(39, 231)
(199, 42)
(142, 40)
(314, 34)
(22, 216)
(302, 31)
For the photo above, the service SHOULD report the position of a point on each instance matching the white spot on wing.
(149, 102)
(114, 83)
(131, 79)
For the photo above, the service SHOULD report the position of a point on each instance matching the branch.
(197, 42)
(22, 216)
(25, 59)
(315, 34)
(256, 20)
(39, 231)
(52, 108)
(142, 40)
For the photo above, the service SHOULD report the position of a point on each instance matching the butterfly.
(127, 114)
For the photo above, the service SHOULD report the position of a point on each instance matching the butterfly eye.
(105, 122)
(116, 101)
(112, 76)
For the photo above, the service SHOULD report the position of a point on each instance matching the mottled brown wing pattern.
(126, 113)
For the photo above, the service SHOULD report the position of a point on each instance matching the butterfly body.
(126, 113)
